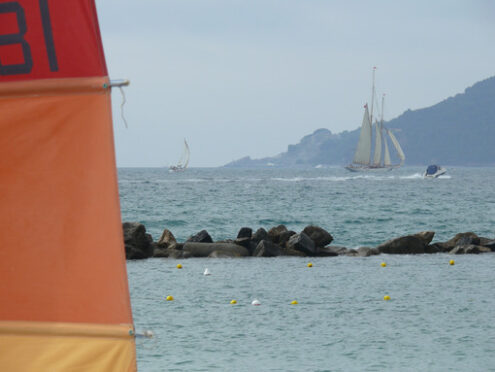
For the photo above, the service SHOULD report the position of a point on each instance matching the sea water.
(439, 317)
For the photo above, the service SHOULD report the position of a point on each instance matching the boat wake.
(412, 176)
(370, 177)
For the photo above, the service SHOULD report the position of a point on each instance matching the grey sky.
(239, 78)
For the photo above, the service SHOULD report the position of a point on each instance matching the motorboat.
(434, 171)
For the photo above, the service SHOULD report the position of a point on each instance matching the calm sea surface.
(439, 318)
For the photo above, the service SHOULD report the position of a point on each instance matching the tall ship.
(367, 158)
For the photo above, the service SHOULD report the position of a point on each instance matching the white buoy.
(148, 333)
(255, 303)
(207, 272)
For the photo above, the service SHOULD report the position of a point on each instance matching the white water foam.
(414, 176)
(347, 178)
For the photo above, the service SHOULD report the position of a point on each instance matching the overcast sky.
(250, 77)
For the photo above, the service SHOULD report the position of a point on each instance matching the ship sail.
(386, 156)
(65, 298)
(183, 161)
(363, 150)
(402, 157)
(378, 145)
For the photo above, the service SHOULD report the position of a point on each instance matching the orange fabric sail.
(64, 298)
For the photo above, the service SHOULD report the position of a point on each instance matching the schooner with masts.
(363, 159)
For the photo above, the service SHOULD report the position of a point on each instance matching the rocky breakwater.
(312, 241)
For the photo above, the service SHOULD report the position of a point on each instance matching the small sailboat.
(434, 171)
(363, 160)
(183, 161)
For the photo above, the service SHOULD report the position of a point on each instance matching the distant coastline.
(458, 131)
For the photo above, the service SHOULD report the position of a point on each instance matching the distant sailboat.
(363, 161)
(183, 161)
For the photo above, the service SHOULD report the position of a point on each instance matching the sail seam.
(57, 329)
(45, 87)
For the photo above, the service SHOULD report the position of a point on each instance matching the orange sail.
(64, 297)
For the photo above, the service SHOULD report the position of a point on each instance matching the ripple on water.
(437, 318)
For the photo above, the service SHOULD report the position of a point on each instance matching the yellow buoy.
(310, 264)
(386, 297)
(383, 264)
(452, 262)
(294, 302)
(179, 266)
(233, 302)
(170, 298)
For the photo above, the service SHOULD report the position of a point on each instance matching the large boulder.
(367, 251)
(284, 237)
(138, 244)
(199, 249)
(167, 246)
(284, 251)
(170, 253)
(167, 240)
(245, 232)
(327, 251)
(465, 238)
(259, 235)
(352, 253)
(245, 242)
(275, 232)
(176, 253)
(332, 250)
(161, 251)
(266, 248)
(436, 248)
(409, 244)
(201, 237)
(318, 235)
(303, 243)
(488, 243)
(224, 254)
(425, 236)
(469, 249)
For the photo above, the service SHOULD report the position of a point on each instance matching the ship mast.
(383, 103)
(372, 96)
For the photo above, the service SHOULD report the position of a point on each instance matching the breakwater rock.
(312, 241)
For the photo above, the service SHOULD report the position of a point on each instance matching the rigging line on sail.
(383, 106)
(378, 109)
(119, 84)
(122, 107)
